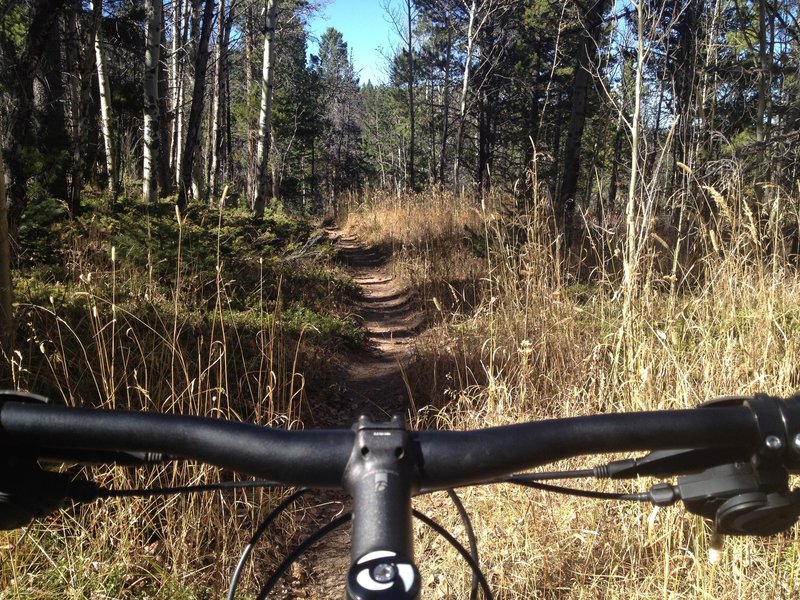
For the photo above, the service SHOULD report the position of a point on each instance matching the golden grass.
(514, 336)
(540, 344)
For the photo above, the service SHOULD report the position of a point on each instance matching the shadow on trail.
(370, 381)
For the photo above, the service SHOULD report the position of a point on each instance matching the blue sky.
(366, 29)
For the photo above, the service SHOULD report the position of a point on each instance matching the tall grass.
(520, 328)
(715, 310)
(167, 338)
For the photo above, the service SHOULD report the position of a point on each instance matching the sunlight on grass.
(520, 327)
(544, 335)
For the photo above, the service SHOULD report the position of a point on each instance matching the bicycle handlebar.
(314, 458)
(382, 465)
(318, 458)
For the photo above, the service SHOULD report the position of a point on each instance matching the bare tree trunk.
(430, 94)
(631, 254)
(181, 34)
(462, 115)
(219, 98)
(175, 78)
(265, 114)
(80, 89)
(615, 162)
(379, 145)
(196, 112)
(580, 109)
(411, 142)
(485, 140)
(445, 106)
(74, 79)
(165, 119)
(105, 111)
(6, 288)
(151, 126)
(763, 74)
(248, 86)
(49, 117)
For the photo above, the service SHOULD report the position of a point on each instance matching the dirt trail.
(371, 382)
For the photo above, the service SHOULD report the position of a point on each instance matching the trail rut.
(371, 381)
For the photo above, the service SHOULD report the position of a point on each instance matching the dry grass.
(154, 353)
(540, 344)
(514, 336)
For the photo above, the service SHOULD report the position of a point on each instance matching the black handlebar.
(739, 450)
(442, 459)
(315, 458)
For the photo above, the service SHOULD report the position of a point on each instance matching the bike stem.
(380, 477)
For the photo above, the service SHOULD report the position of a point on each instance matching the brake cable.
(86, 491)
(473, 543)
(338, 522)
(102, 493)
(299, 551)
(531, 482)
(248, 549)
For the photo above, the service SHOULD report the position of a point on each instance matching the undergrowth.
(216, 314)
(209, 314)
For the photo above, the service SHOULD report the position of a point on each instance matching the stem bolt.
(384, 572)
(773, 442)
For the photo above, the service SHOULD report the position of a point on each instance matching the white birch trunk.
(464, 91)
(265, 114)
(176, 80)
(631, 253)
(105, 113)
(215, 107)
(151, 127)
(248, 86)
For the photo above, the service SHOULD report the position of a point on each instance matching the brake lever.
(28, 492)
(667, 463)
(740, 492)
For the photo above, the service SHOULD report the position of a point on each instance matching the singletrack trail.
(372, 382)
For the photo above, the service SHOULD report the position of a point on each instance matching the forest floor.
(371, 382)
